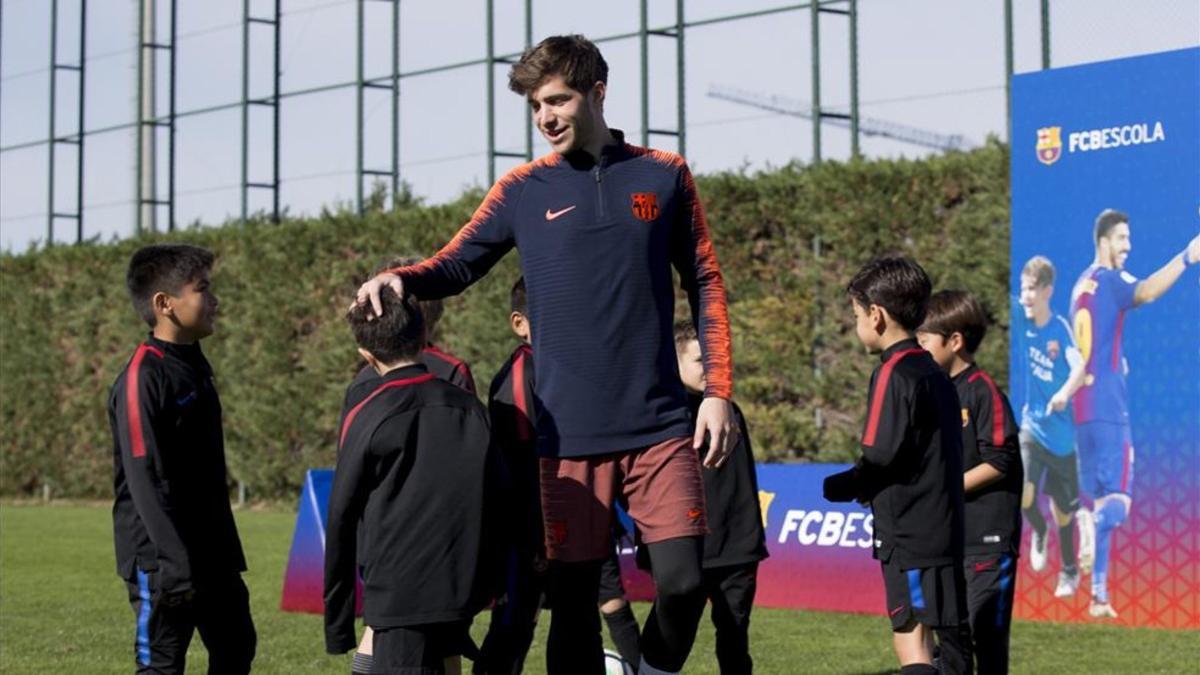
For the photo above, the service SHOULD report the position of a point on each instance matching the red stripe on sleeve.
(378, 390)
(133, 410)
(718, 348)
(997, 408)
(524, 425)
(877, 397)
(493, 200)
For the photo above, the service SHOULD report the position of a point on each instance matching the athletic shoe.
(1086, 522)
(1068, 584)
(1101, 610)
(1037, 552)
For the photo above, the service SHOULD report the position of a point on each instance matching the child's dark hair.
(397, 335)
(431, 310)
(517, 299)
(960, 312)
(163, 268)
(896, 283)
(685, 332)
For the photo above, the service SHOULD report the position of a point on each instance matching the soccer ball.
(615, 665)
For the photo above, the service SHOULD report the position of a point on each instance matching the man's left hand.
(715, 418)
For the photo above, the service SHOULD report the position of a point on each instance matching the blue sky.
(931, 64)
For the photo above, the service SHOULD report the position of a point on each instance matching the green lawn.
(62, 609)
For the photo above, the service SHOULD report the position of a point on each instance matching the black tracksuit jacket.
(171, 514)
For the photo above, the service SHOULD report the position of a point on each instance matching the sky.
(936, 65)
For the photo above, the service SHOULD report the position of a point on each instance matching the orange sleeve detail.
(713, 322)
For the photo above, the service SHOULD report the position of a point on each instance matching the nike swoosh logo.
(896, 611)
(551, 215)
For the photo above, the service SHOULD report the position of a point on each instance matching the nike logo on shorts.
(551, 215)
(896, 611)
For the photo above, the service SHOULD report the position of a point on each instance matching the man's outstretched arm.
(1155, 285)
(479, 245)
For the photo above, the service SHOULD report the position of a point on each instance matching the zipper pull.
(596, 173)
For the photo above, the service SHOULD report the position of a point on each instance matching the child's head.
(169, 287)
(889, 295)
(431, 310)
(687, 352)
(1037, 285)
(955, 324)
(396, 337)
(519, 318)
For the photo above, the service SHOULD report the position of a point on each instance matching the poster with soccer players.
(1105, 338)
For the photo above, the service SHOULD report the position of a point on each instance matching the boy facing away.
(735, 542)
(954, 327)
(415, 467)
(444, 366)
(910, 471)
(176, 542)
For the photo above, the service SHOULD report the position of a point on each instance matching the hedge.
(788, 239)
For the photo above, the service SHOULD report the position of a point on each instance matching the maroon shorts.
(661, 485)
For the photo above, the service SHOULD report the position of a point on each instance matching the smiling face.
(568, 119)
(1034, 299)
(1114, 247)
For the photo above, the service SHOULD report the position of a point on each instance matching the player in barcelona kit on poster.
(1099, 301)
(1050, 373)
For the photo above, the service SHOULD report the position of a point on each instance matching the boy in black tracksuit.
(955, 324)
(416, 467)
(445, 366)
(910, 470)
(735, 542)
(176, 542)
(515, 614)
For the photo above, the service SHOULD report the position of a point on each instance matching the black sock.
(918, 669)
(623, 629)
(362, 664)
(1036, 520)
(1066, 544)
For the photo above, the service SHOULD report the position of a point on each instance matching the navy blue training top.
(598, 239)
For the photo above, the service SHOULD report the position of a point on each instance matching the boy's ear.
(879, 318)
(160, 302)
(369, 358)
(955, 342)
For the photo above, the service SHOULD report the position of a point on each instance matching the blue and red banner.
(1122, 135)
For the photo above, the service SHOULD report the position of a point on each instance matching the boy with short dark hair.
(176, 541)
(416, 467)
(510, 408)
(444, 366)
(910, 470)
(735, 542)
(954, 327)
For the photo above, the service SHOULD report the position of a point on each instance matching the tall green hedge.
(788, 240)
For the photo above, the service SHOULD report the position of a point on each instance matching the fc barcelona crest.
(645, 206)
(1049, 145)
(1053, 349)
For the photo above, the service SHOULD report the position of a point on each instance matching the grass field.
(62, 609)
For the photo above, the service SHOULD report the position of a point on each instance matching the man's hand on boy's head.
(716, 419)
(371, 289)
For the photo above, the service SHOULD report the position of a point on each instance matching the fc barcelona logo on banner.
(1049, 144)
(645, 206)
